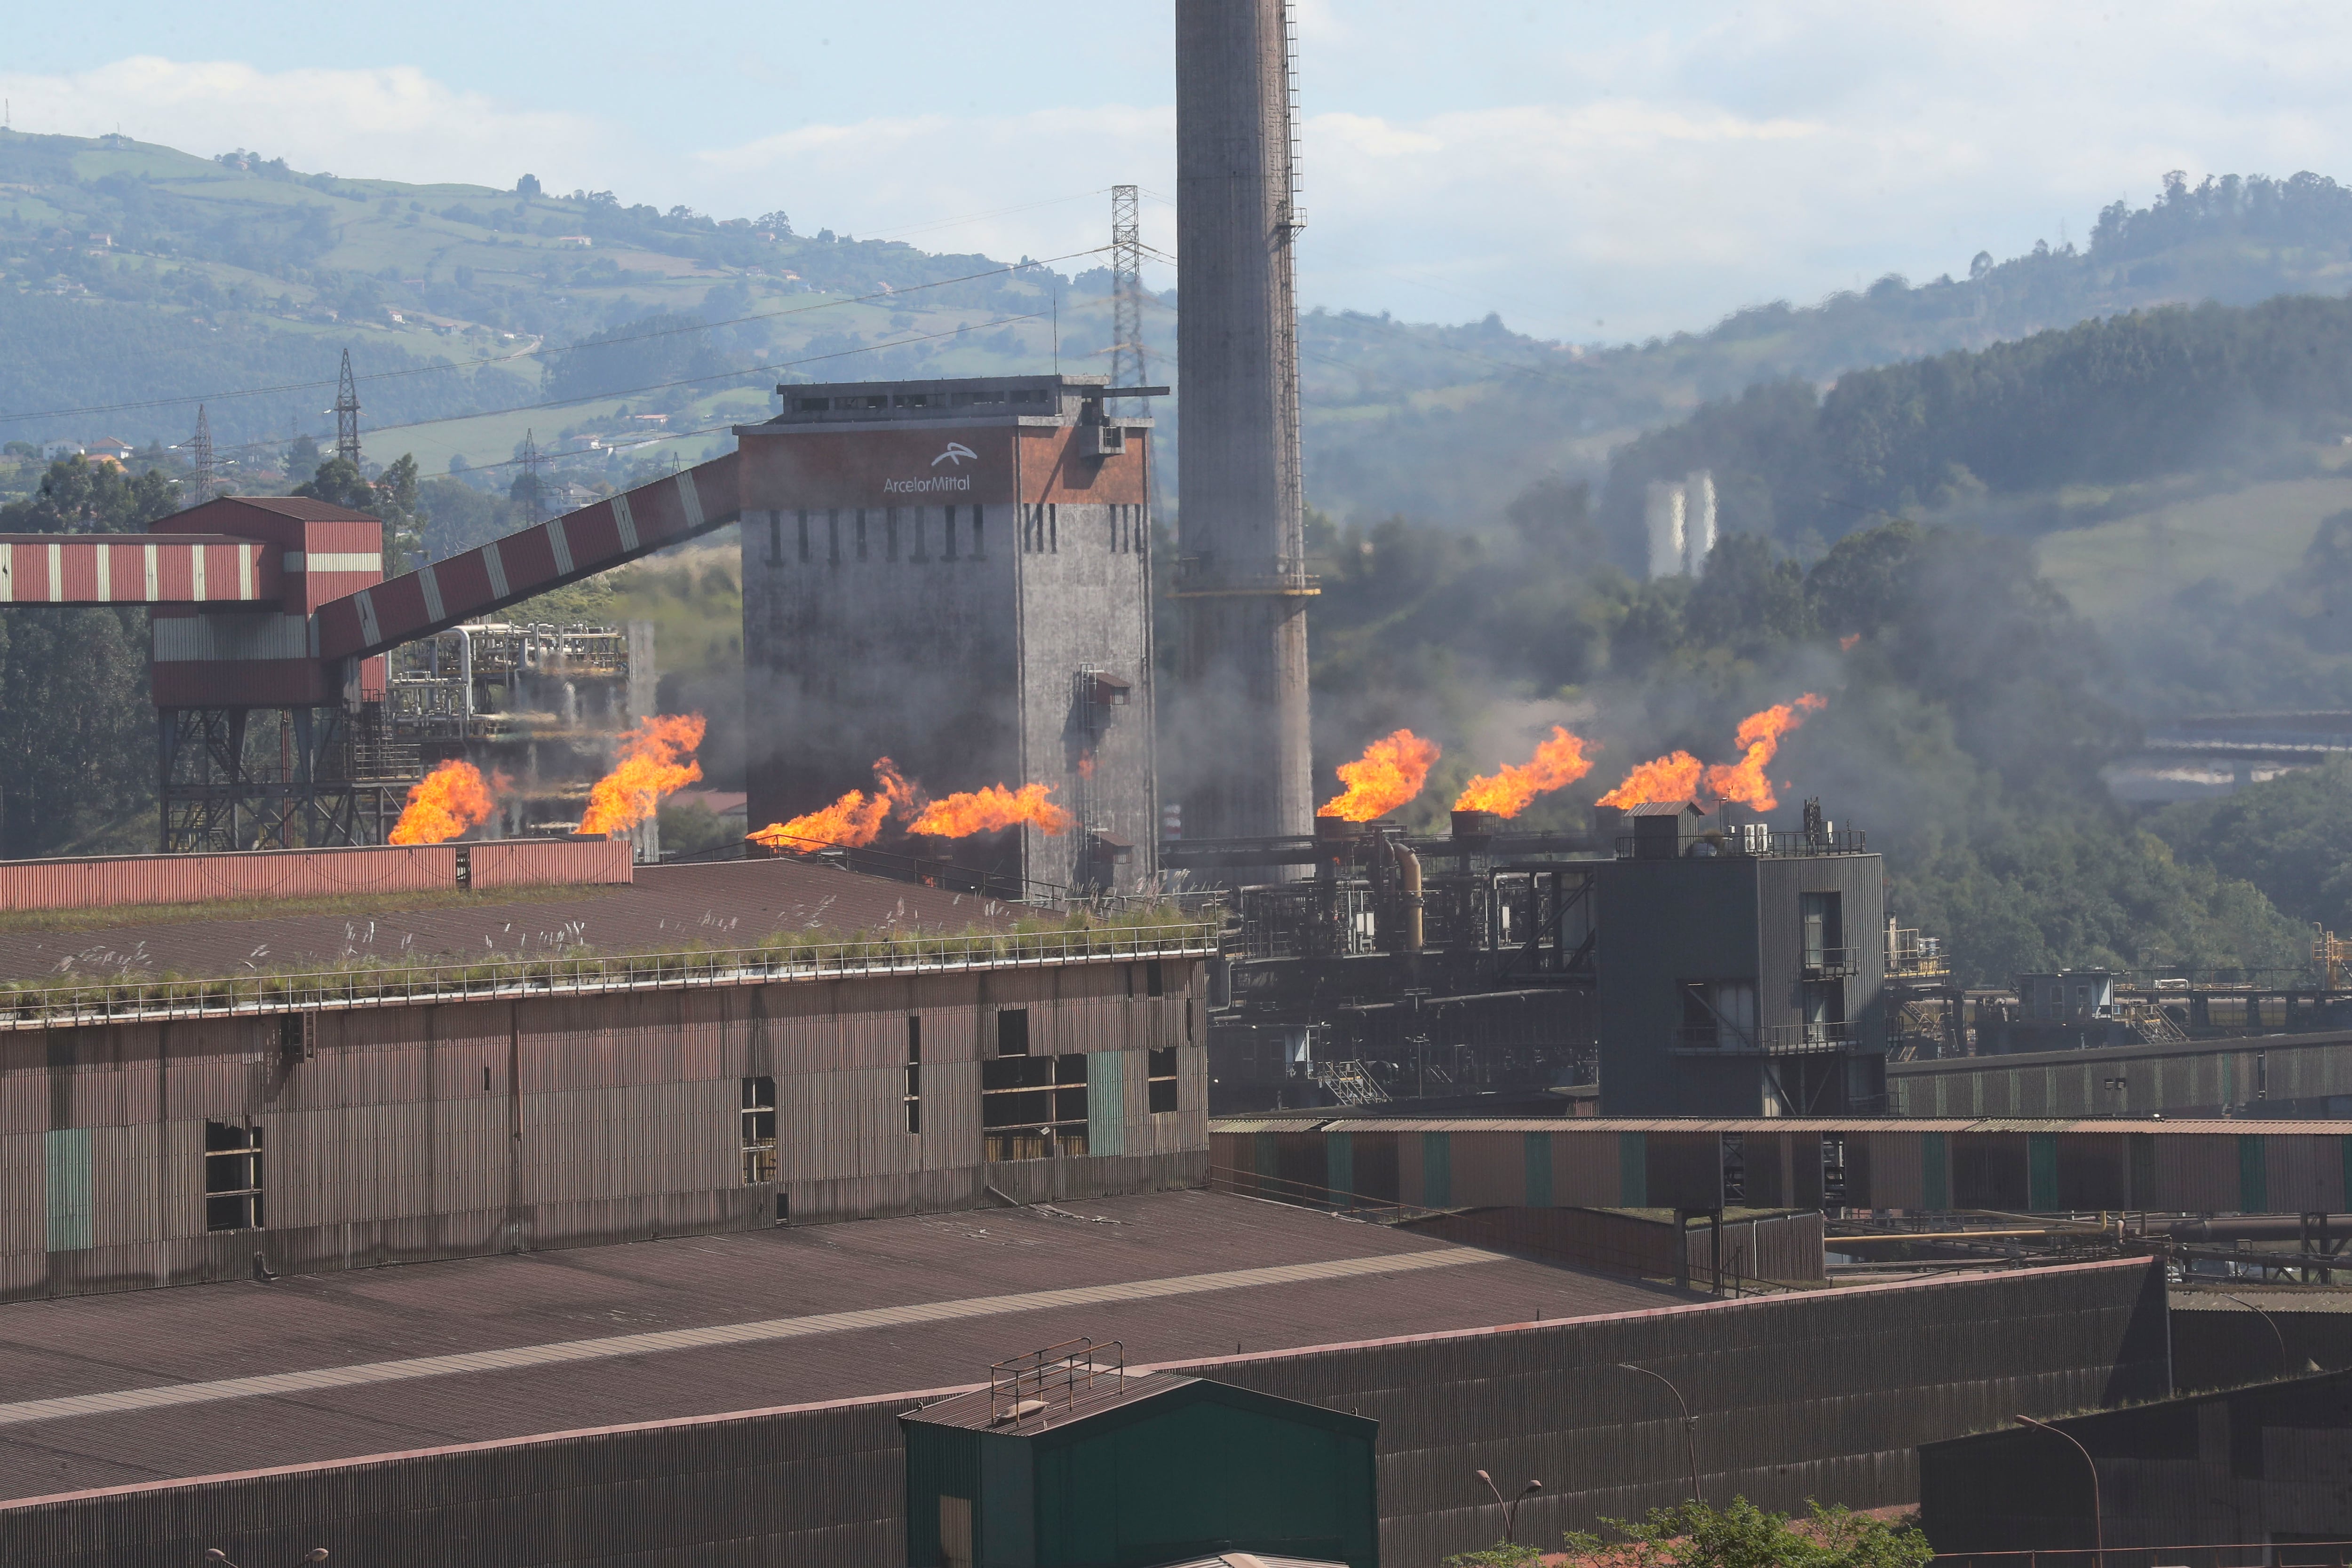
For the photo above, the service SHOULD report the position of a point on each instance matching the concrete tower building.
(955, 575)
(1241, 574)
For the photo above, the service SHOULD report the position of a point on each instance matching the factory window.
(1052, 529)
(833, 536)
(1825, 1004)
(759, 1131)
(949, 514)
(861, 533)
(1162, 1080)
(915, 519)
(1719, 1015)
(1033, 1107)
(1155, 982)
(775, 539)
(1013, 1032)
(1033, 528)
(812, 405)
(890, 533)
(802, 516)
(914, 1095)
(1825, 927)
(978, 538)
(232, 1176)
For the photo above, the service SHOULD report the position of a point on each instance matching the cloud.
(391, 122)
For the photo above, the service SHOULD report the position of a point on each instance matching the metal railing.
(1829, 962)
(2234, 1554)
(1035, 1383)
(1797, 1038)
(1202, 577)
(390, 985)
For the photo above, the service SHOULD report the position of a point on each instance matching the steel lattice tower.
(347, 415)
(533, 510)
(200, 451)
(1126, 368)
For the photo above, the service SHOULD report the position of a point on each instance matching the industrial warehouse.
(1086, 1084)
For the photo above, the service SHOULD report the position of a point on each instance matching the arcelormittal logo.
(956, 454)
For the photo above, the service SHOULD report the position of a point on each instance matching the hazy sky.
(1590, 171)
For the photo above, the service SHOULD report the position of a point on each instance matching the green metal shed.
(1068, 1461)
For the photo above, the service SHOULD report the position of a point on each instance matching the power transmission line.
(347, 415)
(1126, 292)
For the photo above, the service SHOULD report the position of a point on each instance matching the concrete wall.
(873, 628)
(467, 1128)
(1824, 1394)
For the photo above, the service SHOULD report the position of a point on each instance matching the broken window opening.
(759, 1136)
(1161, 1082)
(232, 1176)
(914, 1096)
(1033, 1107)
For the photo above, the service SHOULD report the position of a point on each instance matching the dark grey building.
(2257, 1466)
(1740, 968)
(955, 575)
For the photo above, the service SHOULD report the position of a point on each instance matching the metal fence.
(132, 1001)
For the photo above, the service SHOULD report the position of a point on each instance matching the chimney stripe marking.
(154, 589)
(560, 545)
(365, 600)
(624, 522)
(7, 574)
(105, 571)
(432, 587)
(248, 557)
(692, 499)
(497, 568)
(197, 555)
(56, 574)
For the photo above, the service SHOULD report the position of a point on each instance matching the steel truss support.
(331, 782)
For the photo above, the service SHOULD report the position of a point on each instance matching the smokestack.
(1699, 519)
(1241, 574)
(1663, 518)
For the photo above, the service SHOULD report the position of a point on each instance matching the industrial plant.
(1060, 1130)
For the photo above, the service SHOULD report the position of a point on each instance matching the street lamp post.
(2285, 1360)
(2098, 1517)
(1511, 1508)
(1690, 1425)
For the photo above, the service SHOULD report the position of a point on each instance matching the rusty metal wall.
(1824, 1394)
(524, 862)
(2248, 1167)
(105, 882)
(2198, 1077)
(461, 1128)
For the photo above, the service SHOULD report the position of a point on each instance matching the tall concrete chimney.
(1242, 768)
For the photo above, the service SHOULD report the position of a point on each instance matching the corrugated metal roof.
(1760, 1124)
(731, 904)
(979, 1411)
(883, 1273)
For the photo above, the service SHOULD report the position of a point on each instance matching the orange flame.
(1761, 734)
(985, 811)
(1674, 776)
(445, 803)
(853, 822)
(1557, 761)
(1389, 774)
(654, 762)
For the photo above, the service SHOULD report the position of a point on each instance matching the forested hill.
(136, 280)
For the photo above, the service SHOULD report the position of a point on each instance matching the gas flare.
(853, 822)
(1389, 773)
(1674, 776)
(1557, 761)
(1759, 734)
(445, 803)
(654, 761)
(985, 811)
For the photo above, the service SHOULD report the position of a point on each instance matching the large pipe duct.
(1241, 573)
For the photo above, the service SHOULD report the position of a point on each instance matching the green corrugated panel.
(2253, 1175)
(1935, 1170)
(1106, 1103)
(2042, 1172)
(1538, 1170)
(1436, 1170)
(66, 1153)
(1340, 1167)
(1634, 1170)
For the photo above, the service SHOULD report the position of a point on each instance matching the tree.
(1696, 1535)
